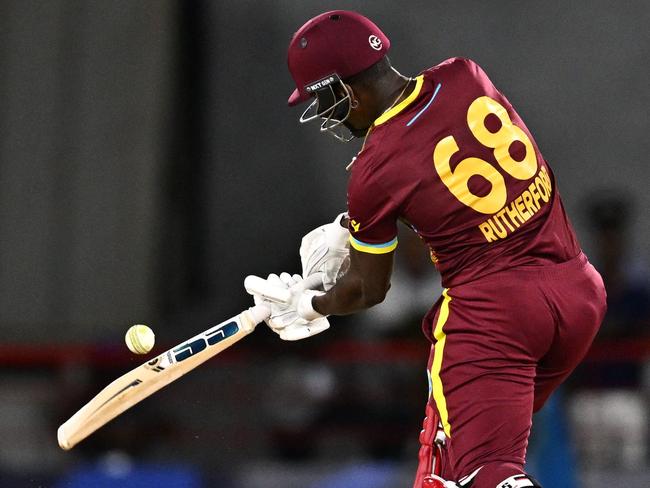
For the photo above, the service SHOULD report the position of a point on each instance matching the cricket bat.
(148, 378)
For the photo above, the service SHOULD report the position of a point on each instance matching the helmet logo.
(322, 83)
(303, 42)
(375, 42)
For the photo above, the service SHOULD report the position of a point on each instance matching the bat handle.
(257, 314)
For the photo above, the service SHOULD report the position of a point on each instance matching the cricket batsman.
(446, 154)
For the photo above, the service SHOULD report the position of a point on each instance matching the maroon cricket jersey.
(455, 162)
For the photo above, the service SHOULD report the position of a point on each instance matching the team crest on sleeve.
(355, 225)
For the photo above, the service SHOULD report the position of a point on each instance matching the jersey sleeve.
(373, 217)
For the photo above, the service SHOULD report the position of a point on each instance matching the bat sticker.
(211, 337)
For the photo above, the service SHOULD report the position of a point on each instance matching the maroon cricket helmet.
(340, 43)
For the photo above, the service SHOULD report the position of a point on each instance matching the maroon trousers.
(501, 345)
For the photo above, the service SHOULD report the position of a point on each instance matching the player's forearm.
(350, 294)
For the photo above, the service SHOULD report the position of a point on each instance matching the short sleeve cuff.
(374, 248)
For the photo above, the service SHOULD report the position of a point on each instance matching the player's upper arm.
(373, 215)
(373, 232)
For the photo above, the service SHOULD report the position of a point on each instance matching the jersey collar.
(392, 112)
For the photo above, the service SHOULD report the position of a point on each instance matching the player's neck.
(391, 90)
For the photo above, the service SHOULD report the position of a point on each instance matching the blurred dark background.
(148, 163)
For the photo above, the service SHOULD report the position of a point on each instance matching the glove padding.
(295, 319)
(326, 250)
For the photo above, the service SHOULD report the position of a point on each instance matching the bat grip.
(259, 313)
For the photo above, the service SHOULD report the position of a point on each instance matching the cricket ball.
(139, 339)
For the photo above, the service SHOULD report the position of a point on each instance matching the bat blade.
(148, 378)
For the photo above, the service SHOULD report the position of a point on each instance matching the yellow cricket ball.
(139, 339)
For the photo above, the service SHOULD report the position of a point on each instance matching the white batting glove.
(326, 250)
(286, 319)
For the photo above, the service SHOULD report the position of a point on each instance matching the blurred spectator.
(607, 408)
(610, 214)
(294, 399)
(626, 280)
